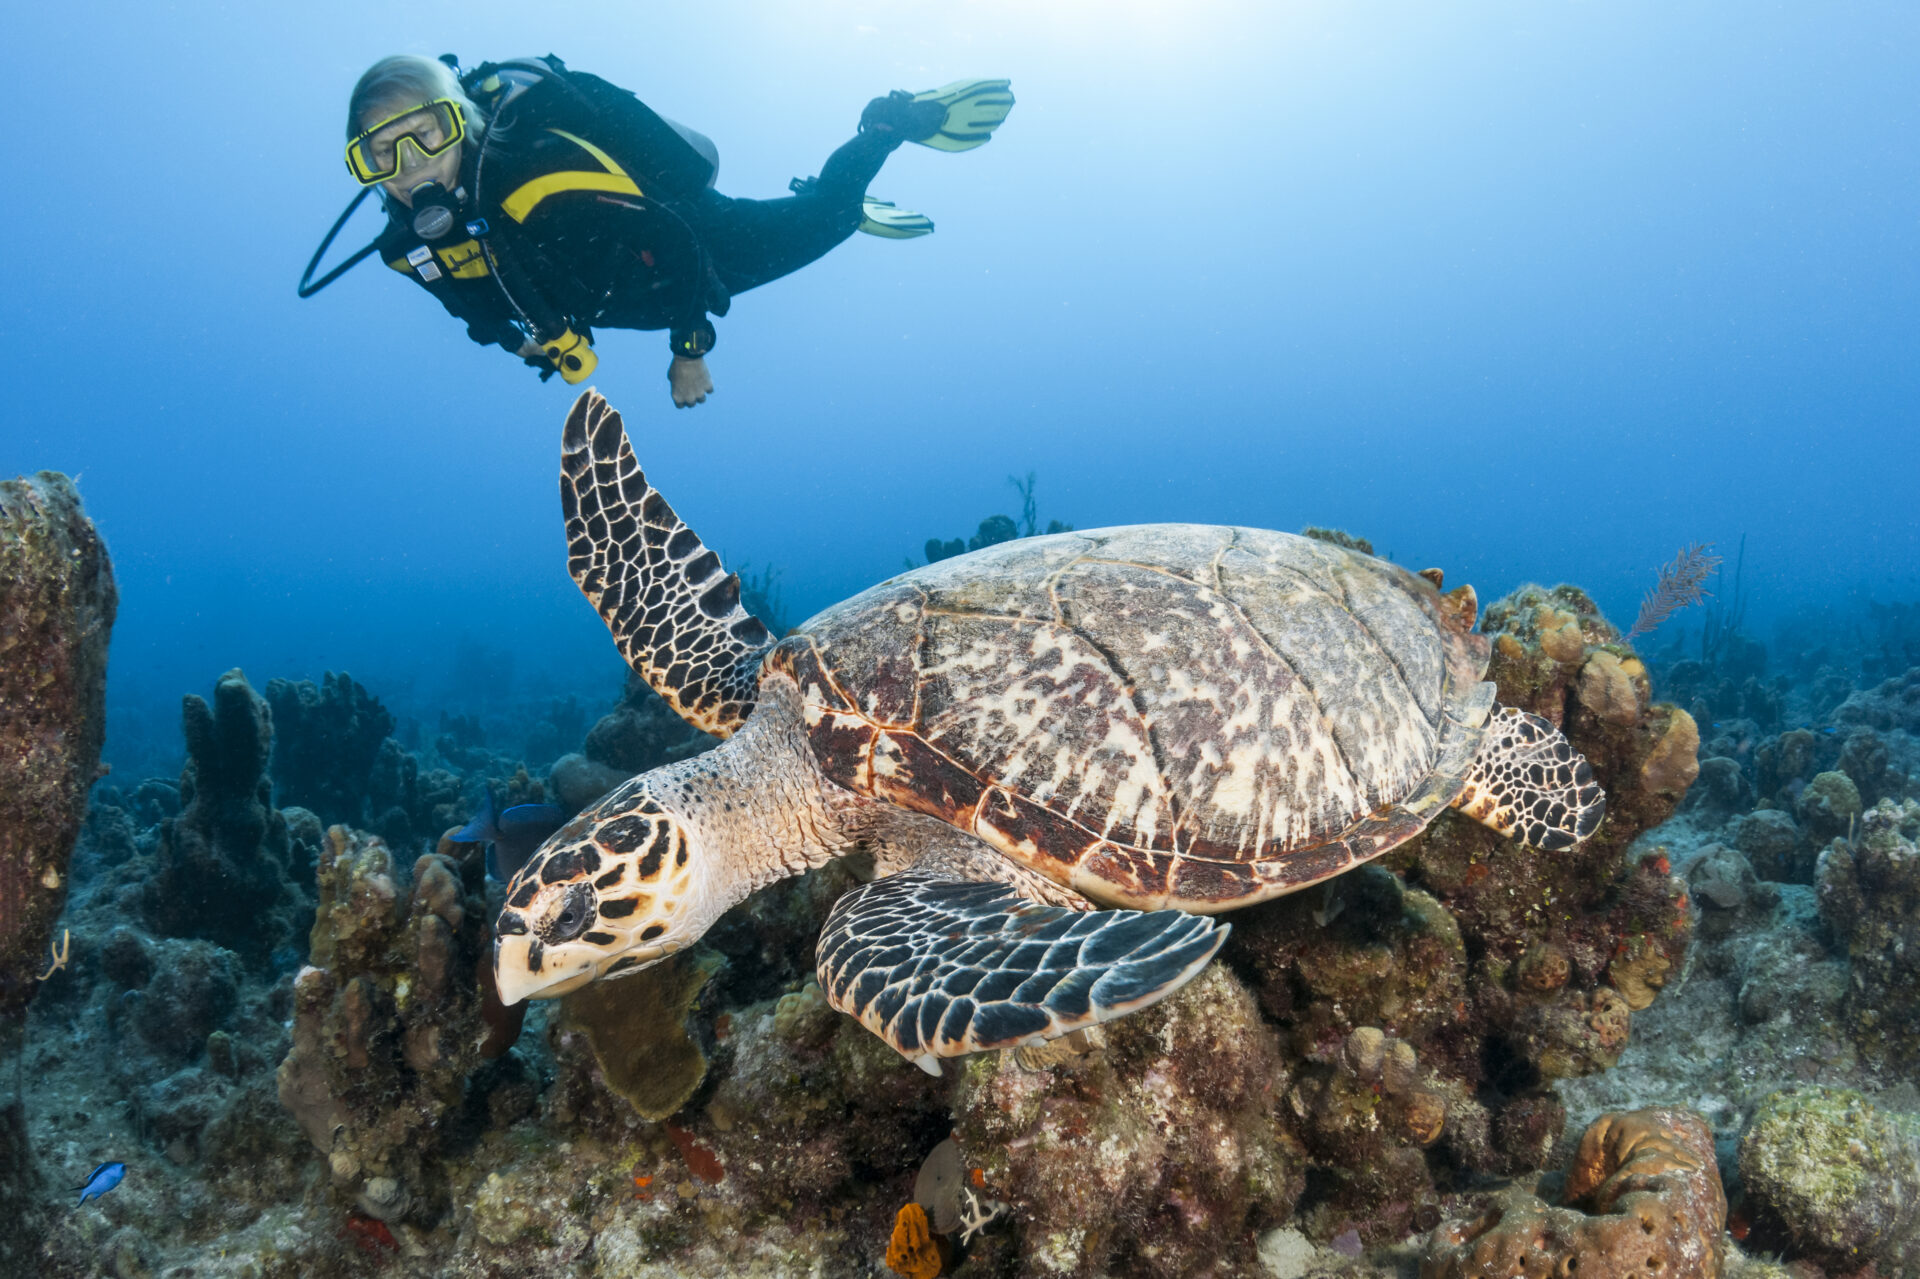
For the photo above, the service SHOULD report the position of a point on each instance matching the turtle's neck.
(759, 804)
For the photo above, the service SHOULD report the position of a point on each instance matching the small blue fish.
(101, 1180)
(510, 836)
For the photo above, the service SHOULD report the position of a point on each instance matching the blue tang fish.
(510, 836)
(101, 1180)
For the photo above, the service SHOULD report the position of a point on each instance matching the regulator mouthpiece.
(434, 210)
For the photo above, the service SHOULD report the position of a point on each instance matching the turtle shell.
(1166, 714)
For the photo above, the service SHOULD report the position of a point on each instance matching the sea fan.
(1681, 583)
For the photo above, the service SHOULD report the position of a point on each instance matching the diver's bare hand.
(689, 380)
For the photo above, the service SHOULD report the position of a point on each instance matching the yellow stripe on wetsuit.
(521, 204)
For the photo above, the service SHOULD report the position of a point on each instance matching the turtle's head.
(611, 892)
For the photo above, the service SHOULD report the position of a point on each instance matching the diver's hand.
(689, 380)
(536, 359)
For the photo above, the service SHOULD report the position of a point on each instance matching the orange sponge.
(913, 1252)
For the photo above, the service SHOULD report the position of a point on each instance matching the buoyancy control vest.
(541, 245)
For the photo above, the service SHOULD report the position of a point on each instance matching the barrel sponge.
(57, 603)
(1645, 1202)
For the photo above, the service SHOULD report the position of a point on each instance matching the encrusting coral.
(1836, 1178)
(1644, 1201)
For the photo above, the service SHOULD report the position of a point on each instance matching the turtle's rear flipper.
(674, 612)
(940, 968)
(1529, 783)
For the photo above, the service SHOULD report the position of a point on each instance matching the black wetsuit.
(584, 208)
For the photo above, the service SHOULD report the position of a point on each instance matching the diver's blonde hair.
(402, 80)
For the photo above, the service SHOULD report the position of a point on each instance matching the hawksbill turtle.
(1057, 759)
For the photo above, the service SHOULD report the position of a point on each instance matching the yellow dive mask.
(431, 129)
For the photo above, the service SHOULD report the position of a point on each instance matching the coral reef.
(1869, 893)
(1352, 1073)
(223, 863)
(57, 603)
(387, 1026)
(1644, 1199)
(1837, 1179)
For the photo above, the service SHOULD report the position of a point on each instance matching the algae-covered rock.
(637, 1027)
(57, 604)
(1829, 806)
(1771, 840)
(1838, 1177)
(1869, 893)
(1564, 946)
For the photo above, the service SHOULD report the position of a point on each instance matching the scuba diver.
(537, 202)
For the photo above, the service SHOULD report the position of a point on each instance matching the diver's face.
(611, 892)
(396, 140)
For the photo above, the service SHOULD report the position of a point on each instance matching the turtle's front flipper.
(674, 612)
(1529, 783)
(939, 967)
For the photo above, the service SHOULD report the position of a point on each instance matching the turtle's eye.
(575, 913)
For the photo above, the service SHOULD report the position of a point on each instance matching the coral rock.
(1869, 894)
(1163, 1155)
(327, 738)
(1771, 841)
(1829, 806)
(57, 603)
(577, 781)
(1838, 1177)
(1652, 1201)
(384, 1035)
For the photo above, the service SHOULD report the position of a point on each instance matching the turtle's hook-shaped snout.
(545, 949)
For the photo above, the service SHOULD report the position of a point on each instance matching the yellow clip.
(573, 356)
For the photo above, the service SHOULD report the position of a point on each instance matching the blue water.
(1527, 291)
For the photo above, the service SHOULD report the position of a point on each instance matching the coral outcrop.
(57, 603)
(326, 739)
(387, 1025)
(1162, 1154)
(1869, 892)
(1643, 1199)
(1836, 1179)
(223, 863)
(1487, 970)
